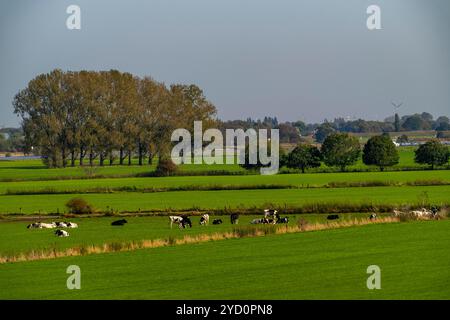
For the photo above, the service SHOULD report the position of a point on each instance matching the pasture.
(313, 265)
(15, 238)
(229, 199)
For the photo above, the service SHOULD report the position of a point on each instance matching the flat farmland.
(313, 265)
(178, 200)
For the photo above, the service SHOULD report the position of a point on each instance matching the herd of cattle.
(52, 225)
(270, 217)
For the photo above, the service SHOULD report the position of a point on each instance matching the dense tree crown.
(303, 157)
(380, 151)
(105, 115)
(432, 153)
(340, 150)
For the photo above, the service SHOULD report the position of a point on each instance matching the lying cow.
(119, 222)
(332, 217)
(234, 218)
(283, 220)
(259, 221)
(61, 233)
(41, 225)
(204, 219)
(217, 221)
(373, 216)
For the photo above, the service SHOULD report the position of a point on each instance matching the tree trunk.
(129, 158)
(121, 156)
(64, 157)
(81, 156)
(150, 158)
(140, 154)
(91, 159)
(102, 159)
(72, 158)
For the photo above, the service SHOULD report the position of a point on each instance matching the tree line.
(342, 150)
(107, 115)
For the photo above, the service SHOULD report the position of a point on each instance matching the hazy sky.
(299, 59)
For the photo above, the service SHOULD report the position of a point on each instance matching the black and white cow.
(373, 216)
(283, 220)
(186, 221)
(204, 219)
(217, 221)
(271, 214)
(175, 219)
(61, 233)
(119, 222)
(234, 218)
(332, 217)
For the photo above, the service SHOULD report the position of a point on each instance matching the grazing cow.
(373, 216)
(186, 221)
(175, 219)
(234, 218)
(217, 221)
(333, 217)
(61, 233)
(119, 222)
(283, 220)
(204, 220)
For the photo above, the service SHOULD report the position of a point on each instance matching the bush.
(79, 206)
(165, 168)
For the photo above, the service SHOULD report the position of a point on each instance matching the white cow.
(270, 213)
(61, 233)
(72, 225)
(204, 220)
(176, 219)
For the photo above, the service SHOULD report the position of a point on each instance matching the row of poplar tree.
(72, 118)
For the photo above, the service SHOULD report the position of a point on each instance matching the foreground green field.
(179, 200)
(16, 238)
(413, 257)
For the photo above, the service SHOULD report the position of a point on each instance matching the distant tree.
(397, 123)
(303, 157)
(165, 167)
(443, 135)
(323, 131)
(416, 122)
(4, 146)
(340, 150)
(300, 126)
(380, 151)
(432, 153)
(288, 133)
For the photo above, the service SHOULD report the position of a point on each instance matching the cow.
(72, 225)
(175, 219)
(43, 225)
(119, 222)
(61, 233)
(373, 216)
(204, 219)
(270, 213)
(332, 217)
(217, 221)
(186, 221)
(283, 220)
(61, 224)
(258, 221)
(234, 218)
(34, 225)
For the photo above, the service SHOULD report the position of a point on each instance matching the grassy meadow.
(327, 264)
(313, 265)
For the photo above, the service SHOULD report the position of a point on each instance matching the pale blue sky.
(294, 59)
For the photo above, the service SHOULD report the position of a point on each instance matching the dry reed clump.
(237, 232)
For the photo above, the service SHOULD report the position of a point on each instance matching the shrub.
(165, 167)
(79, 206)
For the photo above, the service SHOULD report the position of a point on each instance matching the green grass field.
(179, 200)
(414, 259)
